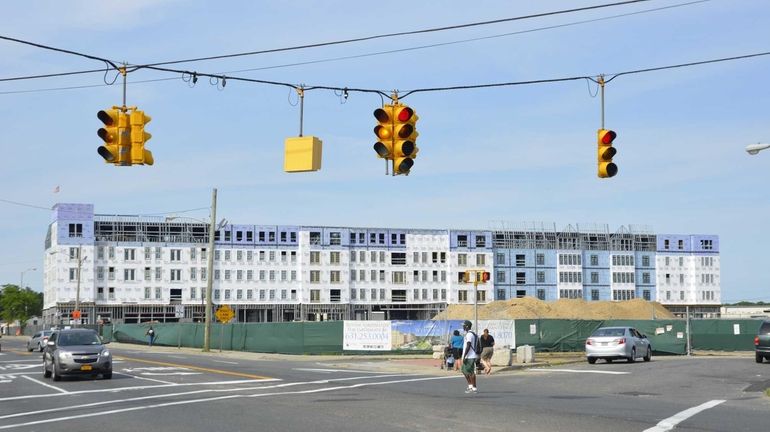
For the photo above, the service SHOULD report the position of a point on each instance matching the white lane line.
(225, 362)
(45, 384)
(218, 398)
(580, 371)
(169, 395)
(335, 370)
(143, 378)
(118, 389)
(177, 356)
(21, 361)
(671, 422)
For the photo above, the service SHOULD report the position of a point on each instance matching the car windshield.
(765, 329)
(67, 339)
(609, 332)
(47, 333)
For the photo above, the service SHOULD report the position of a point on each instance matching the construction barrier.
(329, 337)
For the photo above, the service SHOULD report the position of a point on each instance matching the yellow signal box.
(605, 153)
(302, 154)
(109, 133)
(384, 132)
(139, 137)
(405, 137)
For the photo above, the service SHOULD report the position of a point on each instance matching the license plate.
(605, 343)
(86, 367)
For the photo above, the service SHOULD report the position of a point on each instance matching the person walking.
(457, 348)
(469, 357)
(487, 350)
(151, 335)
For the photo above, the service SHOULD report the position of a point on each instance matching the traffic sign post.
(224, 314)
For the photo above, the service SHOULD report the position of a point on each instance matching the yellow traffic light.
(115, 135)
(605, 153)
(384, 132)
(140, 155)
(405, 137)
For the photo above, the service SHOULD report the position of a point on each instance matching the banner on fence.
(366, 336)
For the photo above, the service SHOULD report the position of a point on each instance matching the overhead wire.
(333, 59)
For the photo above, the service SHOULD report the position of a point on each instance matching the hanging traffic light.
(384, 132)
(140, 155)
(115, 135)
(605, 153)
(405, 137)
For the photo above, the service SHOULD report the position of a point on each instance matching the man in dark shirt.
(487, 349)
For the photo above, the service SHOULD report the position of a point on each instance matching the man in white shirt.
(469, 358)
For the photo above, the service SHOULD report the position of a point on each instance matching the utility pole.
(77, 292)
(210, 273)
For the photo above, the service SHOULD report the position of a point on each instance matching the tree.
(19, 304)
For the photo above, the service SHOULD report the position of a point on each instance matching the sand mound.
(529, 307)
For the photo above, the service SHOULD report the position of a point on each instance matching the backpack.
(151, 332)
(476, 347)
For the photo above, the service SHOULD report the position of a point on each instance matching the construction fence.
(351, 337)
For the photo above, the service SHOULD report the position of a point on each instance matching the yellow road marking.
(198, 368)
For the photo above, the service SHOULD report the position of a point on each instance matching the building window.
(100, 293)
(129, 254)
(499, 259)
(520, 260)
(462, 296)
(176, 275)
(594, 277)
(681, 244)
(315, 295)
(645, 278)
(500, 276)
(481, 242)
(315, 276)
(665, 244)
(646, 295)
(645, 260)
(128, 274)
(521, 278)
(334, 257)
(541, 277)
(73, 274)
(399, 277)
(620, 295)
(571, 293)
(398, 258)
(74, 253)
(100, 273)
(594, 260)
(315, 257)
(75, 230)
(462, 241)
(481, 259)
(594, 294)
(707, 244)
(540, 259)
(158, 293)
(462, 259)
(176, 254)
(147, 293)
(541, 294)
(334, 276)
(315, 238)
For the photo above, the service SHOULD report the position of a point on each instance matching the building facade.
(138, 268)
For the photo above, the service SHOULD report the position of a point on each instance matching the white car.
(39, 340)
(615, 343)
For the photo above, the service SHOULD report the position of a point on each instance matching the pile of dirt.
(529, 307)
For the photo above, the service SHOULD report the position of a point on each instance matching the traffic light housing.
(605, 153)
(384, 132)
(404, 139)
(115, 134)
(139, 137)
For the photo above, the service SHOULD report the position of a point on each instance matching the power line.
(333, 59)
(24, 204)
(405, 33)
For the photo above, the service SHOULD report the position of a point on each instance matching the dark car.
(76, 352)
(762, 342)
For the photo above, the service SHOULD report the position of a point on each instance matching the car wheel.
(29, 349)
(41, 348)
(55, 373)
(633, 355)
(591, 360)
(759, 358)
(107, 375)
(648, 356)
(609, 360)
(46, 372)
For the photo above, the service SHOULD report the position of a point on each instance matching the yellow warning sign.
(225, 314)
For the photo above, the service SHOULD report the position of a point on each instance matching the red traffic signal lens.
(609, 137)
(381, 115)
(405, 114)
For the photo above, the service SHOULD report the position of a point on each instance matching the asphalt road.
(165, 389)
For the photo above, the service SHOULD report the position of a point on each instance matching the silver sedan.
(614, 343)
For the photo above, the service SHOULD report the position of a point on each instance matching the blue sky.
(524, 153)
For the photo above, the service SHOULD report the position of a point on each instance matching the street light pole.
(210, 273)
(21, 283)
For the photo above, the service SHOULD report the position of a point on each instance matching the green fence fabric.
(284, 338)
(549, 335)
(557, 335)
(721, 334)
